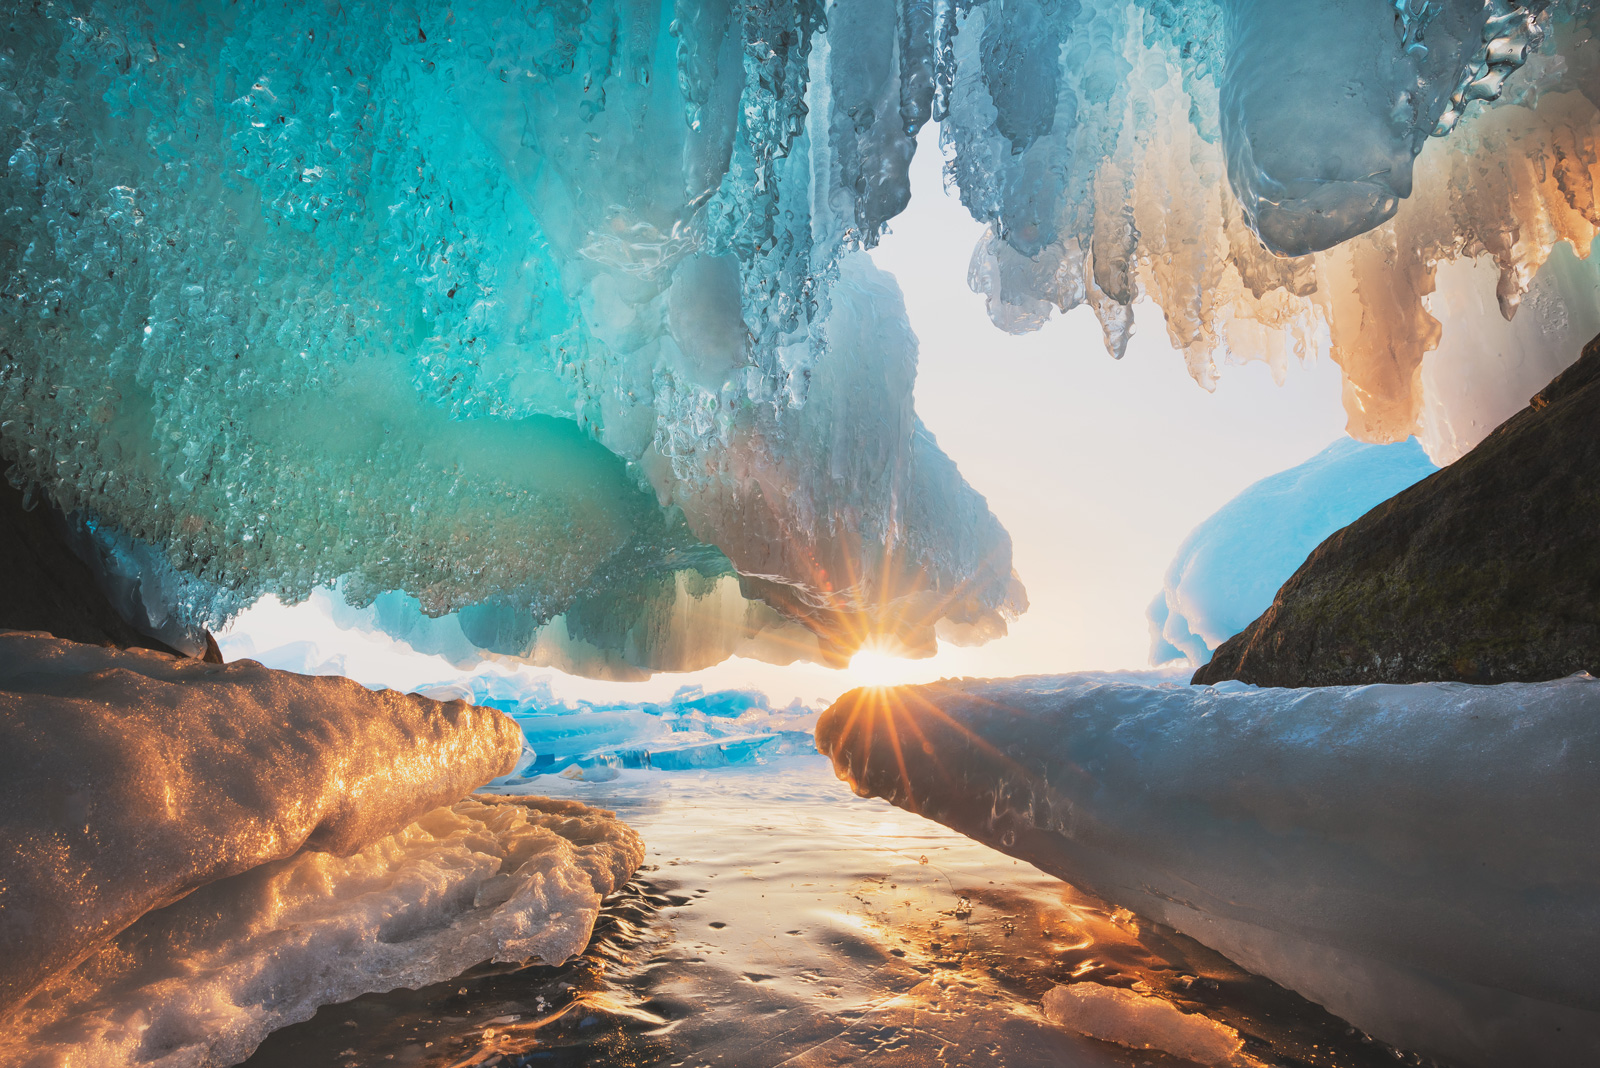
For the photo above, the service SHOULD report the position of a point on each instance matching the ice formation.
(202, 981)
(1128, 1018)
(1316, 114)
(129, 778)
(1227, 570)
(558, 320)
(1415, 858)
(523, 314)
(692, 730)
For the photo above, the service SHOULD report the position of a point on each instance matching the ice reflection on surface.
(781, 920)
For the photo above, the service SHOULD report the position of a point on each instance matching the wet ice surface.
(781, 920)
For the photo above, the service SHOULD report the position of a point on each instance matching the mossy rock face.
(1488, 571)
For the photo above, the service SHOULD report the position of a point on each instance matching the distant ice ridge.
(203, 981)
(692, 730)
(1228, 569)
(1418, 859)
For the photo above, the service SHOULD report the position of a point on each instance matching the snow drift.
(1226, 571)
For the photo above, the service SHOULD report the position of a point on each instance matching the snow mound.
(129, 778)
(1417, 859)
(1228, 569)
(203, 981)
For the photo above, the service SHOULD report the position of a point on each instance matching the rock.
(48, 588)
(1484, 572)
(130, 778)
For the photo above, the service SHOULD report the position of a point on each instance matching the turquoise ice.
(555, 321)
(1228, 569)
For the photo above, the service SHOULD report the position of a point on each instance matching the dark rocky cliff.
(1488, 571)
(43, 586)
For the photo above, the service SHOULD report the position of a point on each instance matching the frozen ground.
(780, 920)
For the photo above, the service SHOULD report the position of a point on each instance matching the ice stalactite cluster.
(558, 318)
(547, 317)
(1291, 178)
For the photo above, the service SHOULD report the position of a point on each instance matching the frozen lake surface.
(780, 920)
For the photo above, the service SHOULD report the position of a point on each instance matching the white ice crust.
(203, 981)
(128, 778)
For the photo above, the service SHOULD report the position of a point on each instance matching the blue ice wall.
(530, 315)
(1228, 569)
(557, 316)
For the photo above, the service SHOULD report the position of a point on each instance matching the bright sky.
(1097, 467)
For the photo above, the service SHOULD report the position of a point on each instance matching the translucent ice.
(558, 321)
(523, 315)
(1415, 858)
(129, 778)
(202, 981)
(1127, 1018)
(1267, 173)
(1325, 103)
(1227, 570)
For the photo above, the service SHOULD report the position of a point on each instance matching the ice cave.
(611, 533)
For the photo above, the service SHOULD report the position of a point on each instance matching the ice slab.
(1228, 569)
(1128, 1018)
(202, 982)
(1414, 858)
(130, 778)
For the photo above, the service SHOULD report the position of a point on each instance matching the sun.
(872, 667)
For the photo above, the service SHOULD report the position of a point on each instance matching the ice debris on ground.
(1418, 859)
(129, 778)
(1228, 569)
(1142, 1021)
(203, 981)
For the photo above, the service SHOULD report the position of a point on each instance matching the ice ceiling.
(549, 325)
